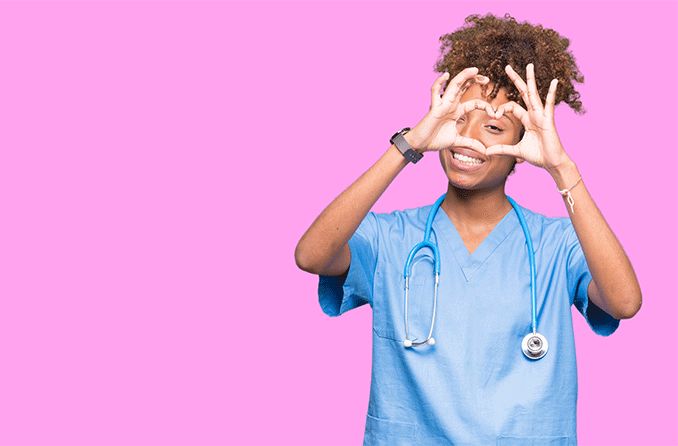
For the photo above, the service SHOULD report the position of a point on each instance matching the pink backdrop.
(160, 161)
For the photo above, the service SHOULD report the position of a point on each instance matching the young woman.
(499, 365)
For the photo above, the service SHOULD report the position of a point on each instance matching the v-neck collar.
(469, 263)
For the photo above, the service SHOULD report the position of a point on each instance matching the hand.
(541, 144)
(438, 129)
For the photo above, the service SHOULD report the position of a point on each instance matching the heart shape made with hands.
(472, 144)
(540, 144)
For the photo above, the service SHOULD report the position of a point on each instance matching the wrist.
(565, 174)
(414, 140)
(397, 157)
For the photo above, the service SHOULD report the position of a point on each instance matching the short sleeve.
(339, 294)
(578, 279)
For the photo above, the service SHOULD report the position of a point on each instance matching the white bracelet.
(566, 192)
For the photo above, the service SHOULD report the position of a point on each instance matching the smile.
(465, 163)
(466, 159)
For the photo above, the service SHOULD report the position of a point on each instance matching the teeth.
(466, 159)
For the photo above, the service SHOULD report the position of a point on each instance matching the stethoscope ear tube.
(408, 270)
(534, 345)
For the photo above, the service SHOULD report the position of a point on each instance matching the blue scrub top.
(474, 386)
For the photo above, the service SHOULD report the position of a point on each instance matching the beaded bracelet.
(566, 193)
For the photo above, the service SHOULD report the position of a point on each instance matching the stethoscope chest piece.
(535, 345)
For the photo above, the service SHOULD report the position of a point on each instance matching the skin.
(614, 286)
(476, 201)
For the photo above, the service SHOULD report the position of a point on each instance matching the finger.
(502, 149)
(465, 141)
(516, 110)
(551, 99)
(435, 89)
(532, 91)
(473, 104)
(519, 83)
(482, 79)
(455, 86)
(477, 79)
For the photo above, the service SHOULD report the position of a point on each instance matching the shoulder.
(400, 221)
(558, 229)
(547, 232)
(544, 220)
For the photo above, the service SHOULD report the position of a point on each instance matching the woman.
(473, 385)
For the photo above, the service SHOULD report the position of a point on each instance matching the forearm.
(325, 241)
(617, 290)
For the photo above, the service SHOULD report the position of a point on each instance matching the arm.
(323, 249)
(614, 287)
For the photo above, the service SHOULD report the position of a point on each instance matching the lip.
(469, 152)
(461, 166)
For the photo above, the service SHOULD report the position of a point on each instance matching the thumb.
(469, 142)
(501, 149)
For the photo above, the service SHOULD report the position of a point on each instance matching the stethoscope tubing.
(533, 268)
(426, 243)
(534, 345)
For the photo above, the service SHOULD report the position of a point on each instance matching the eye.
(494, 127)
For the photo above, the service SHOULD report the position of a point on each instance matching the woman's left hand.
(540, 144)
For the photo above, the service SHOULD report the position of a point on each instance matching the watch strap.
(404, 147)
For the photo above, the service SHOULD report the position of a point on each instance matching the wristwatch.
(408, 152)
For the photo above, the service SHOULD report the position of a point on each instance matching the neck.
(474, 209)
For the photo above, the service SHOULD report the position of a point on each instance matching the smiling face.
(478, 125)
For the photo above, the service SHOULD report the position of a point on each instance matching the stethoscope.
(534, 344)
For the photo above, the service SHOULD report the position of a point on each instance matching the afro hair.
(490, 43)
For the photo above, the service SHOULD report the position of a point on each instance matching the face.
(478, 125)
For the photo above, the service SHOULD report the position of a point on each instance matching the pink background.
(160, 161)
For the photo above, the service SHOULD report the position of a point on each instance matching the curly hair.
(490, 43)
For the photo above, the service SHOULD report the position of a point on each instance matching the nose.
(468, 128)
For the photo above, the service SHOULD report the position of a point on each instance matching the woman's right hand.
(438, 129)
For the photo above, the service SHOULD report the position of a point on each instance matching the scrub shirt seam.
(377, 260)
(497, 244)
(377, 272)
(567, 269)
